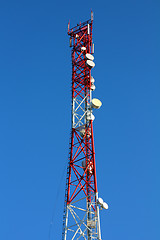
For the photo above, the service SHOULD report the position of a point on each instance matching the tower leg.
(66, 224)
(98, 216)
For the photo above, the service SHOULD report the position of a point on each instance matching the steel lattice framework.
(81, 211)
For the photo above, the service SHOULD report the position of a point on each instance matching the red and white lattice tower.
(81, 212)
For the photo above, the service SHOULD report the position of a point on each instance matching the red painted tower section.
(81, 211)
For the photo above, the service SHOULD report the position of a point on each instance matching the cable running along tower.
(81, 211)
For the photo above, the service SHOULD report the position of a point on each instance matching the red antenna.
(91, 15)
(81, 212)
(68, 25)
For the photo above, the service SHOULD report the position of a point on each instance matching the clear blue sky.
(35, 112)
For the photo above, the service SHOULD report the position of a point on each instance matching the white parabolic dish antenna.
(105, 205)
(89, 56)
(90, 63)
(83, 48)
(92, 80)
(100, 201)
(96, 103)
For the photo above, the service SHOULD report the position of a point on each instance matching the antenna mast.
(81, 211)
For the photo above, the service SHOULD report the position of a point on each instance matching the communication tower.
(81, 218)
